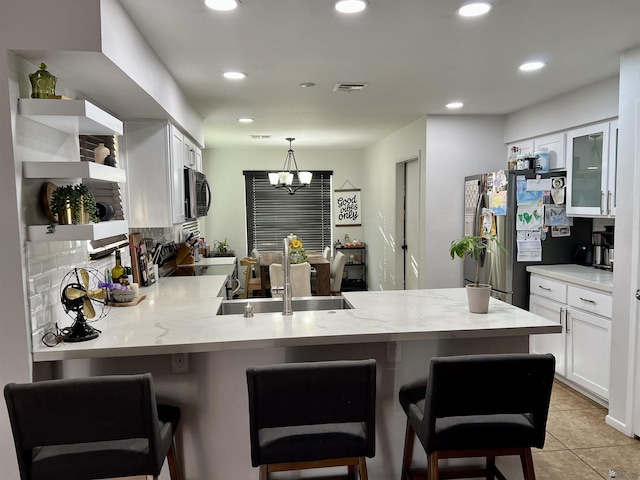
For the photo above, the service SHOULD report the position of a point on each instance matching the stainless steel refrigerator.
(507, 276)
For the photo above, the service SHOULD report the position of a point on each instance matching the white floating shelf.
(91, 231)
(77, 117)
(91, 170)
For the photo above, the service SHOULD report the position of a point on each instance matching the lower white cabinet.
(588, 351)
(583, 349)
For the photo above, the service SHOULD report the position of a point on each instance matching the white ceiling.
(416, 55)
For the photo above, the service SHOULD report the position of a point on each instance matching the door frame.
(400, 253)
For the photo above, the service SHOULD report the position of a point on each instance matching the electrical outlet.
(394, 352)
(180, 362)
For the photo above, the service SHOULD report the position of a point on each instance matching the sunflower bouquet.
(297, 254)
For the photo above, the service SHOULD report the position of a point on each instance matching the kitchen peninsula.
(401, 330)
(179, 316)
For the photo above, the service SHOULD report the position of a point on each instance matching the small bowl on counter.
(123, 296)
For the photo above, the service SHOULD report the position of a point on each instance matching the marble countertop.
(578, 274)
(179, 315)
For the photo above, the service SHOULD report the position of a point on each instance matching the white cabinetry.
(525, 147)
(75, 117)
(583, 349)
(591, 170)
(555, 146)
(154, 152)
(192, 155)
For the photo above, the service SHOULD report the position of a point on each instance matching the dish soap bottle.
(118, 271)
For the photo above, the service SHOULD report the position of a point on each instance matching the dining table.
(317, 261)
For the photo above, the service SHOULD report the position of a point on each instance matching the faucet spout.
(287, 309)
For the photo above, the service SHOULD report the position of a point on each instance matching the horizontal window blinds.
(272, 213)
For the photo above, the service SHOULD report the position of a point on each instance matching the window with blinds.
(272, 213)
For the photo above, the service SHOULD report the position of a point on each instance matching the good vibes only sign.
(347, 207)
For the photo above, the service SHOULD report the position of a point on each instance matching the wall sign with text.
(347, 207)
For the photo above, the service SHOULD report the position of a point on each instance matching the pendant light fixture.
(284, 178)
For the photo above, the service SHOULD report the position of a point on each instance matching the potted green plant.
(221, 247)
(72, 204)
(475, 247)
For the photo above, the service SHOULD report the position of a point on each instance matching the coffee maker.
(603, 249)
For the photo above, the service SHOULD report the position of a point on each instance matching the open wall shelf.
(77, 117)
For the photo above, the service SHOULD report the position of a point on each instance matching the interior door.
(411, 224)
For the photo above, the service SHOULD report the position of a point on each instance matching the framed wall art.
(347, 207)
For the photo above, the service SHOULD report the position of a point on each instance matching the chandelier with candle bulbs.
(284, 178)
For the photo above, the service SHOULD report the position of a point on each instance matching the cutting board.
(132, 303)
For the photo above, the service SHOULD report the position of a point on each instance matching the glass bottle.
(118, 271)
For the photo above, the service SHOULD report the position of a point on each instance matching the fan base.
(81, 332)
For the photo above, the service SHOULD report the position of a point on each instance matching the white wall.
(378, 202)
(589, 104)
(624, 336)
(15, 345)
(457, 146)
(224, 167)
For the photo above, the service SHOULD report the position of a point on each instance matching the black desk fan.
(82, 298)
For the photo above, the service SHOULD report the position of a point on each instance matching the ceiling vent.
(350, 87)
(260, 137)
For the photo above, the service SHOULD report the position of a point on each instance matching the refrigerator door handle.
(480, 205)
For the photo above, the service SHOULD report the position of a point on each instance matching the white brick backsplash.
(35, 267)
(41, 284)
(37, 249)
(36, 303)
(49, 264)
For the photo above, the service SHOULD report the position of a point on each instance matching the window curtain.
(272, 213)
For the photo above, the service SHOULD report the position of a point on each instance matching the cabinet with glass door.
(591, 170)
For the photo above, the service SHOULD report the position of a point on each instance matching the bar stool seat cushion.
(303, 443)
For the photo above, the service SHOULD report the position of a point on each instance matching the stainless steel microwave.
(197, 194)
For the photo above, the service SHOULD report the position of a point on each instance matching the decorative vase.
(297, 257)
(43, 84)
(100, 153)
(478, 297)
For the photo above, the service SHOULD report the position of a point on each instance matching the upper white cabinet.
(77, 117)
(590, 167)
(613, 167)
(555, 146)
(525, 147)
(154, 152)
(192, 155)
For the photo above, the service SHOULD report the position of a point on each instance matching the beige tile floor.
(580, 445)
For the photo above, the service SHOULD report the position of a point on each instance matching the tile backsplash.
(48, 263)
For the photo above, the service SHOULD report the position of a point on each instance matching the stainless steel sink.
(270, 305)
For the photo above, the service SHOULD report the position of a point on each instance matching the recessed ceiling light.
(531, 66)
(307, 84)
(350, 6)
(234, 75)
(223, 5)
(245, 120)
(454, 105)
(475, 9)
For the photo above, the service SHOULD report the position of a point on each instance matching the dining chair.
(251, 283)
(337, 269)
(300, 279)
(312, 415)
(91, 428)
(478, 406)
(257, 271)
(326, 253)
